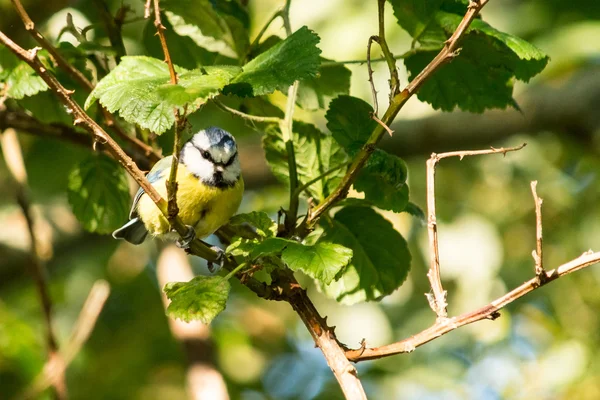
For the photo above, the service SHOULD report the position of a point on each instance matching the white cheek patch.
(198, 165)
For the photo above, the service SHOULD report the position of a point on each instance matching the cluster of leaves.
(355, 254)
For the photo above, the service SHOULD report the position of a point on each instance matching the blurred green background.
(545, 346)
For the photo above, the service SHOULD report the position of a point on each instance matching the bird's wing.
(157, 172)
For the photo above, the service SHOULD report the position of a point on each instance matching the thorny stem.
(172, 208)
(286, 126)
(490, 311)
(537, 253)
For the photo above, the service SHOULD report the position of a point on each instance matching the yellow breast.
(204, 207)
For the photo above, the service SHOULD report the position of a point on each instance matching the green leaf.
(183, 50)
(202, 298)
(316, 153)
(17, 78)
(482, 75)
(140, 89)
(381, 259)
(383, 180)
(260, 221)
(349, 120)
(225, 21)
(331, 81)
(99, 194)
(295, 58)
(323, 261)
(241, 247)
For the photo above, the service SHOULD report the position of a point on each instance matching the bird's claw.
(220, 260)
(186, 239)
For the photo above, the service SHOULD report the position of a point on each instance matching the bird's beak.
(219, 168)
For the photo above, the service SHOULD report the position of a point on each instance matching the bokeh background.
(545, 346)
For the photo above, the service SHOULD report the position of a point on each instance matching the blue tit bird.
(210, 188)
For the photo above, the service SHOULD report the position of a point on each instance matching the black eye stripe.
(231, 160)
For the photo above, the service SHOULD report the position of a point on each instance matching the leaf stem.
(329, 63)
(256, 41)
(249, 117)
(234, 271)
(286, 126)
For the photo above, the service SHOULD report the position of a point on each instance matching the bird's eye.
(205, 154)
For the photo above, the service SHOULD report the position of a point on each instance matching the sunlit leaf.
(139, 89)
(202, 298)
(295, 58)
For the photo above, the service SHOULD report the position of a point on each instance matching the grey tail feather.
(134, 231)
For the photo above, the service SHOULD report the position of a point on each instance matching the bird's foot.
(220, 260)
(186, 239)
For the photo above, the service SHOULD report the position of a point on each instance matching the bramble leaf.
(316, 154)
(331, 81)
(140, 89)
(99, 194)
(481, 76)
(381, 259)
(322, 261)
(383, 180)
(349, 120)
(295, 58)
(202, 298)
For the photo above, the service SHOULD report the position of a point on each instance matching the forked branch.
(437, 300)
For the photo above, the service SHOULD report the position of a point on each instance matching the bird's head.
(212, 156)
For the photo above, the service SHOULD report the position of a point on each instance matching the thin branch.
(490, 311)
(256, 41)
(13, 157)
(286, 126)
(147, 9)
(249, 117)
(415, 50)
(447, 53)
(389, 57)
(437, 300)
(172, 208)
(81, 332)
(113, 29)
(380, 122)
(370, 72)
(537, 253)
